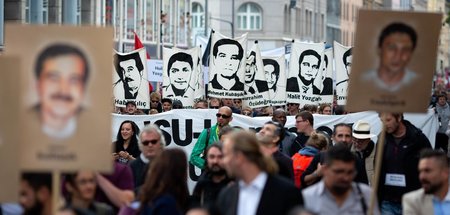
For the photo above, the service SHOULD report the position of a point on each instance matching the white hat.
(361, 130)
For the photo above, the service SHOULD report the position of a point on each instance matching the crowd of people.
(266, 171)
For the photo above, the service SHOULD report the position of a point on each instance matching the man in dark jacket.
(212, 181)
(399, 173)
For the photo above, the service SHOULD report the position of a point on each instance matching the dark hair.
(180, 56)
(398, 27)
(224, 131)
(441, 95)
(133, 56)
(339, 152)
(230, 42)
(347, 53)
(59, 49)
(166, 100)
(342, 125)
(167, 175)
(309, 52)
(440, 156)
(397, 116)
(323, 106)
(274, 63)
(306, 115)
(325, 58)
(254, 55)
(38, 180)
(279, 131)
(133, 146)
(130, 102)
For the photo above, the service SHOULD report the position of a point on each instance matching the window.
(149, 15)
(198, 16)
(249, 17)
(32, 10)
(130, 16)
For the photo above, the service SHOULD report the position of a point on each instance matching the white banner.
(180, 74)
(327, 90)
(199, 81)
(306, 59)
(155, 70)
(227, 66)
(343, 62)
(130, 79)
(275, 72)
(181, 128)
(255, 84)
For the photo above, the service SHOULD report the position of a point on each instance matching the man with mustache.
(179, 70)
(309, 64)
(130, 70)
(62, 72)
(434, 196)
(213, 179)
(336, 193)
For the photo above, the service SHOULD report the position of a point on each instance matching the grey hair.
(152, 128)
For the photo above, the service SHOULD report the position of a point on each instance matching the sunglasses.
(214, 107)
(223, 116)
(146, 142)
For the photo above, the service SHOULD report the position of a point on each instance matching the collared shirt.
(372, 76)
(65, 132)
(442, 207)
(319, 200)
(249, 195)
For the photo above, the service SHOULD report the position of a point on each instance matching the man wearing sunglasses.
(209, 136)
(151, 143)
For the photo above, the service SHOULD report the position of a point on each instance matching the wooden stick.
(56, 183)
(378, 162)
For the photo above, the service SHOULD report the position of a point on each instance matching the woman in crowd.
(80, 195)
(126, 146)
(165, 188)
(317, 142)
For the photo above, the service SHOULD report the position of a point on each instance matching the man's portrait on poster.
(272, 73)
(130, 70)
(61, 75)
(179, 71)
(396, 45)
(227, 58)
(309, 65)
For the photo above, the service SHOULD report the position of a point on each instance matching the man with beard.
(62, 72)
(213, 179)
(399, 174)
(434, 196)
(36, 193)
(253, 85)
(210, 136)
(227, 57)
(309, 65)
(336, 193)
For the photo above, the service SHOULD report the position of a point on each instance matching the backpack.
(300, 163)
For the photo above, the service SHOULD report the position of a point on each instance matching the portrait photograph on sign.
(9, 129)
(304, 67)
(343, 62)
(275, 71)
(327, 89)
(256, 91)
(65, 97)
(130, 81)
(227, 66)
(179, 75)
(395, 59)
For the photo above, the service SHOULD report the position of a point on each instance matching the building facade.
(349, 14)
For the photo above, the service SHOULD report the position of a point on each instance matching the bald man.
(209, 136)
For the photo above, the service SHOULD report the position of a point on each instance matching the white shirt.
(250, 195)
(372, 76)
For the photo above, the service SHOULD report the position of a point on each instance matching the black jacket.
(139, 170)
(293, 86)
(206, 190)
(279, 196)
(406, 159)
(285, 167)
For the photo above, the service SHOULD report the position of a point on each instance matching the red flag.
(137, 45)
